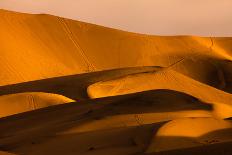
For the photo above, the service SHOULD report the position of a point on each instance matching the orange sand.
(137, 94)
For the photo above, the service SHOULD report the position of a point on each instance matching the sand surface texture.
(74, 88)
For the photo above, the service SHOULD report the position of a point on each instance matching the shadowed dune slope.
(190, 132)
(72, 86)
(100, 126)
(164, 79)
(51, 46)
(22, 102)
(137, 94)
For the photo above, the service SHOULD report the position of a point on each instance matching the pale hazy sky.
(160, 17)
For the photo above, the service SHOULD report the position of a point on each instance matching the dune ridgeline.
(69, 87)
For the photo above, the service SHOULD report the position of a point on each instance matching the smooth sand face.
(22, 102)
(5, 153)
(124, 107)
(190, 132)
(42, 40)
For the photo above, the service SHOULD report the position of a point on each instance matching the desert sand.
(69, 87)
(22, 102)
(5, 153)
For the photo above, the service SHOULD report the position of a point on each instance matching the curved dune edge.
(190, 132)
(22, 102)
(146, 108)
(198, 67)
(139, 115)
(72, 133)
(128, 120)
(165, 79)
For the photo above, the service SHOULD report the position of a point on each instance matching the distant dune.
(31, 43)
(127, 93)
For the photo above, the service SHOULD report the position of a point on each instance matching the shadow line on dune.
(128, 134)
(138, 137)
(47, 121)
(207, 146)
(73, 86)
(163, 100)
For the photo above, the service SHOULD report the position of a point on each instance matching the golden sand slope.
(67, 129)
(5, 153)
(42, 46)
(163, 79)
(70, 129)
(190, 132)
(179, 104)
(22, 102)
(145, 108)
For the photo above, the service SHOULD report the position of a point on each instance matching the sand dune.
(22, 102)
(89, 48)
(131, 93)
(74, 133)
(165, 79)
(73, 86)
(194, 132)
(5, 153)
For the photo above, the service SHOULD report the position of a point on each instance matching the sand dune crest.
(190, 132)
(22, 102)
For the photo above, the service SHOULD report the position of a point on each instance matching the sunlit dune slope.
(42, 46)
(22, 102)
(145, 108)
(16, 99)
(72, 86)
(164, 79)
(100, 126)
(140, 94)
(6, 153)
(190, 132)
